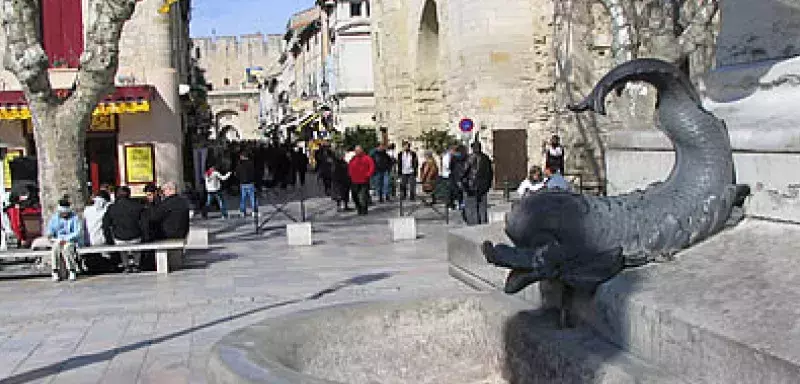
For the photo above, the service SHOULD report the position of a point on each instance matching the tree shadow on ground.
(88, 359)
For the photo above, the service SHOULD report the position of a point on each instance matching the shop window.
(62, 32)
(355, 8)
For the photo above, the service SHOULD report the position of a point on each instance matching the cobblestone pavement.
(147, 328)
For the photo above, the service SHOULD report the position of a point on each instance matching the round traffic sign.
(466, 125)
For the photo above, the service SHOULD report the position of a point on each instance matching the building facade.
(137, 132)
(349, 67)
(295, 85)
(235, 69)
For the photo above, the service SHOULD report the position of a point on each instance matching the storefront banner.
(140, 164)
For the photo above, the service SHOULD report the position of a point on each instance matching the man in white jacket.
(93, 215)
(93, 220)
(213, 189)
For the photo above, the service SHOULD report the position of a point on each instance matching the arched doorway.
(229, 133)
(226, 118)
(428, 95)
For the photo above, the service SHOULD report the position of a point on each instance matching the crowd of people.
(552, 176)
(462, 178)
(463, 181)
(116, 219)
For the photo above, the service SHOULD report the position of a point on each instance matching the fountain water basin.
(482, 338)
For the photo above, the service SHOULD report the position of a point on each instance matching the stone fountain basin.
(482, 338)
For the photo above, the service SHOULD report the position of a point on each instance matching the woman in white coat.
(214, 181)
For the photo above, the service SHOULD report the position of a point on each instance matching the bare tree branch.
(696, 29)
(100, 60)
(24, 56)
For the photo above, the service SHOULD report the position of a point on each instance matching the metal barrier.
(279, 202)
(429, 201)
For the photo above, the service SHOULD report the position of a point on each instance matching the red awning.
(135, 93)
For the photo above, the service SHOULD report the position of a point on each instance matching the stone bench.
(23, 254)
(165, 260)
(166, 256)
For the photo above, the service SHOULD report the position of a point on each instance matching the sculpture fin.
(586, 273)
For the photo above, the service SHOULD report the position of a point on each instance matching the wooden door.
(510, 155)
(101, 154)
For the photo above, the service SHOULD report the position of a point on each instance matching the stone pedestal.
(299, 234)
(723, 312)
(403, 228)
(197, 238)
(497, 216)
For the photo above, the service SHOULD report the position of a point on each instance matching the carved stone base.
(725, 311)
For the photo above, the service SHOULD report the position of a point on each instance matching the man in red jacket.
(361, 168)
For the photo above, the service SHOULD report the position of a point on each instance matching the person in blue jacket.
(64, 230)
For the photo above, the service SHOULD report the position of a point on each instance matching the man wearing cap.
(64, 230)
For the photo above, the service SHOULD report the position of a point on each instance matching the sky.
(237, 17)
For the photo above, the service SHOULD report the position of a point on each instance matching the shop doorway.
(510, 157)
(101, 156)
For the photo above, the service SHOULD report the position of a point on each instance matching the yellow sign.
(139, 164)
(165, 8)
(10, 156)
(102, 123)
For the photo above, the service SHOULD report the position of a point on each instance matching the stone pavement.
(147, 328)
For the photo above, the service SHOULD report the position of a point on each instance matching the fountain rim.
(234, 359)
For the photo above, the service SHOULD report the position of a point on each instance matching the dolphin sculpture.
(585, 240)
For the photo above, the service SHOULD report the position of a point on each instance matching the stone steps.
(725, 311)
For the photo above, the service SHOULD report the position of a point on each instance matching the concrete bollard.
(403, 228)
(197, 238)
(497, 217)
(299, 234)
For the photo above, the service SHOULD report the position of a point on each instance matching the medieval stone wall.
(513, 64)
(225, 58)
(442, 60)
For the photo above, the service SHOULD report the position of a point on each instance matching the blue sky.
(236, 17)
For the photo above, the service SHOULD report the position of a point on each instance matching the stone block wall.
(227, 57)
(489, 61)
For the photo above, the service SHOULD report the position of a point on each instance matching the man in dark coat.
(172, 214)
(477, 181)
(246, 174)
(324, 158)
(383, 166)
(122, 226)
(300, 165)
(340, 184)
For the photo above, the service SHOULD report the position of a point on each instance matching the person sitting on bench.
(121, 226)
(171, 216)
(64, 230)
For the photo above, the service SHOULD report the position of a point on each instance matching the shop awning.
(124, 100)
(306, 121)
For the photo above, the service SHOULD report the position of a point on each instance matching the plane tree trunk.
(59, 124)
